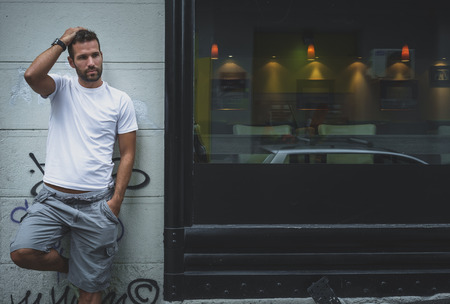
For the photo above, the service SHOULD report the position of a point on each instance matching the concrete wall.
(131, 33)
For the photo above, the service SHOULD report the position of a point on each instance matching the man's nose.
(90, 61)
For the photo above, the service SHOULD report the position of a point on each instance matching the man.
(79, 195)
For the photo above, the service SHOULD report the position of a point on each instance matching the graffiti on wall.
(139, 291)
(21, 89)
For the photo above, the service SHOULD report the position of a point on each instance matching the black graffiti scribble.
(39, 165)
(135, 286)
(64, 297)
(140, 185)
(25, 299)
(133, 293)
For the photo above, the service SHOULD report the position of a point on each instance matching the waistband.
(87, 197)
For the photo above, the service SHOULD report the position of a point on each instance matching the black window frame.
(217, 260)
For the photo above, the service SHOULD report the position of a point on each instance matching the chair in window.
(342, 130)
(258, 130)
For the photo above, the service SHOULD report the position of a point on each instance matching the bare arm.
(127, 149)
(37, 73)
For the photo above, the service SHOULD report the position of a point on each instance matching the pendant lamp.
(214, 51)
(311, 53)
(405, 53)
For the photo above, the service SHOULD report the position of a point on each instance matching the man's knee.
(24, 257)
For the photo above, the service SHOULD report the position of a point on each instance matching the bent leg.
(40, 260)
(44, 225)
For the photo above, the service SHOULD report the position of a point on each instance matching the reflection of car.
(343, 155)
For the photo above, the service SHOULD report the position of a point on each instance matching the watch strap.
(60, 43)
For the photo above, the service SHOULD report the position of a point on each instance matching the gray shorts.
(93, 228)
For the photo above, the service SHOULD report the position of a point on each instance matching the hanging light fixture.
(311, 53)
(405, 53)
(214, 51)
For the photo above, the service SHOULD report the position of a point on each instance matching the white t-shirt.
(83, 127)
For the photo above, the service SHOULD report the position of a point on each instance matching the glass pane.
(322, 82)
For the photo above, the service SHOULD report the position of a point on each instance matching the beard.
(87, 77)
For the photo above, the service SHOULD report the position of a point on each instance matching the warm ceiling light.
(311, 53)
(405, 53)
(214, 51)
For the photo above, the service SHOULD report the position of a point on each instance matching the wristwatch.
(60, 43)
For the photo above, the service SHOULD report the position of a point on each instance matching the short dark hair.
(82, 36)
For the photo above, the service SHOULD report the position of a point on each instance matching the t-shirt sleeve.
(127, 116)
(59, 80)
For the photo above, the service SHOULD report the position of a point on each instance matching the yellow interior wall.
(202, 108)
(280, 62)
(280, 74)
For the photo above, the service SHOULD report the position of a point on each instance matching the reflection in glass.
(299, 66)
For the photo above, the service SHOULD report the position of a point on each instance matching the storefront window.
(322, 82)
(320, 131)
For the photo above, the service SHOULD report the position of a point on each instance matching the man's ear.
(71, 62)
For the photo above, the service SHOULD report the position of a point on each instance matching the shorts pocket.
(104, 267)
(108, 212)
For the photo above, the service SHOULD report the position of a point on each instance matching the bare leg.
(40, 260)
(89, 297)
